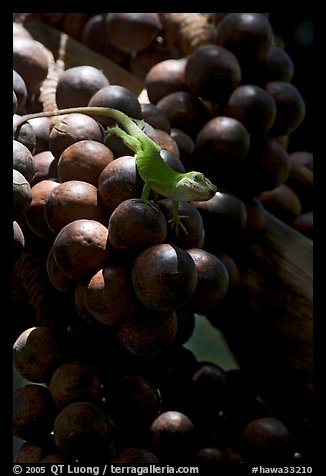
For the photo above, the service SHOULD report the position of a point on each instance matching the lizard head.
(194, 186)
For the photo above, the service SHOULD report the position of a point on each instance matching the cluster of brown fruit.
(106, 292)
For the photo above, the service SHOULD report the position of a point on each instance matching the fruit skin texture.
(254, 107)
(212, 73)
(35, 452)
(164, 277)
(110, 297)
(173, 435)
(276, 66)
(221, 146)
(149, 333)
(30, 61)
(142, 29)
(33, 412)
(266, 440)
(81, 248)
(35, 214)
(36, 352)
(164, 78)
(185, 111)
(18, 241)
(247, 35)
(22, 194)
(74, 381)
(135, 226)
(84, 160)
(133, 401)
(119, 181)
(290, 107)
(213, 281)
(73, 128)
(82, 431)
(73, 200)
(77, 85)
(23, 160)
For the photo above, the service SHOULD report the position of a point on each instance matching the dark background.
(296, 31)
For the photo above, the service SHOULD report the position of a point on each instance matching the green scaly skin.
(156, 174)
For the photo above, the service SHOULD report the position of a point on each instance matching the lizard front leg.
(130, 141)
(145, 196)
(175, 220)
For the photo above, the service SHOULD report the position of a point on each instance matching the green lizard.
(156, 174)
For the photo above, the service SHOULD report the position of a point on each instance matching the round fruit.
(164, 277)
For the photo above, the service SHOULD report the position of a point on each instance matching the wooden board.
(269, 323)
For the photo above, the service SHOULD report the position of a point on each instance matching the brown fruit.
(81, 248)
(290, 107)
(185, 111)
(221, 147)
(173, 436)
(23, 160)
(35, 214)
(78, 84)
(57, 278)
(254, 107)
(135, 226)
(164, 277)
(84, 160)
(116, 97)
(72, 128)
(283, 202)
(142, 61)
(24, 134)
(119, 181)
(73, 200)
(73, 24)
(149, 333)
(132, 400)
(212, 284)
(22, 194)
(155, 117)
(21, 93)
(30, 60)
(96, 37)
(35, 452)
(142, 28)
(164, 78)
(33, 413)
(41, 127)
(193, 233)
(277, 65)
(110, 297)
(45, 167)
(247, 35)
(224, 217)
(18, 241)
(36, 352)
(212, 73)
(82, 431)
(266, 440)
(74, 381)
